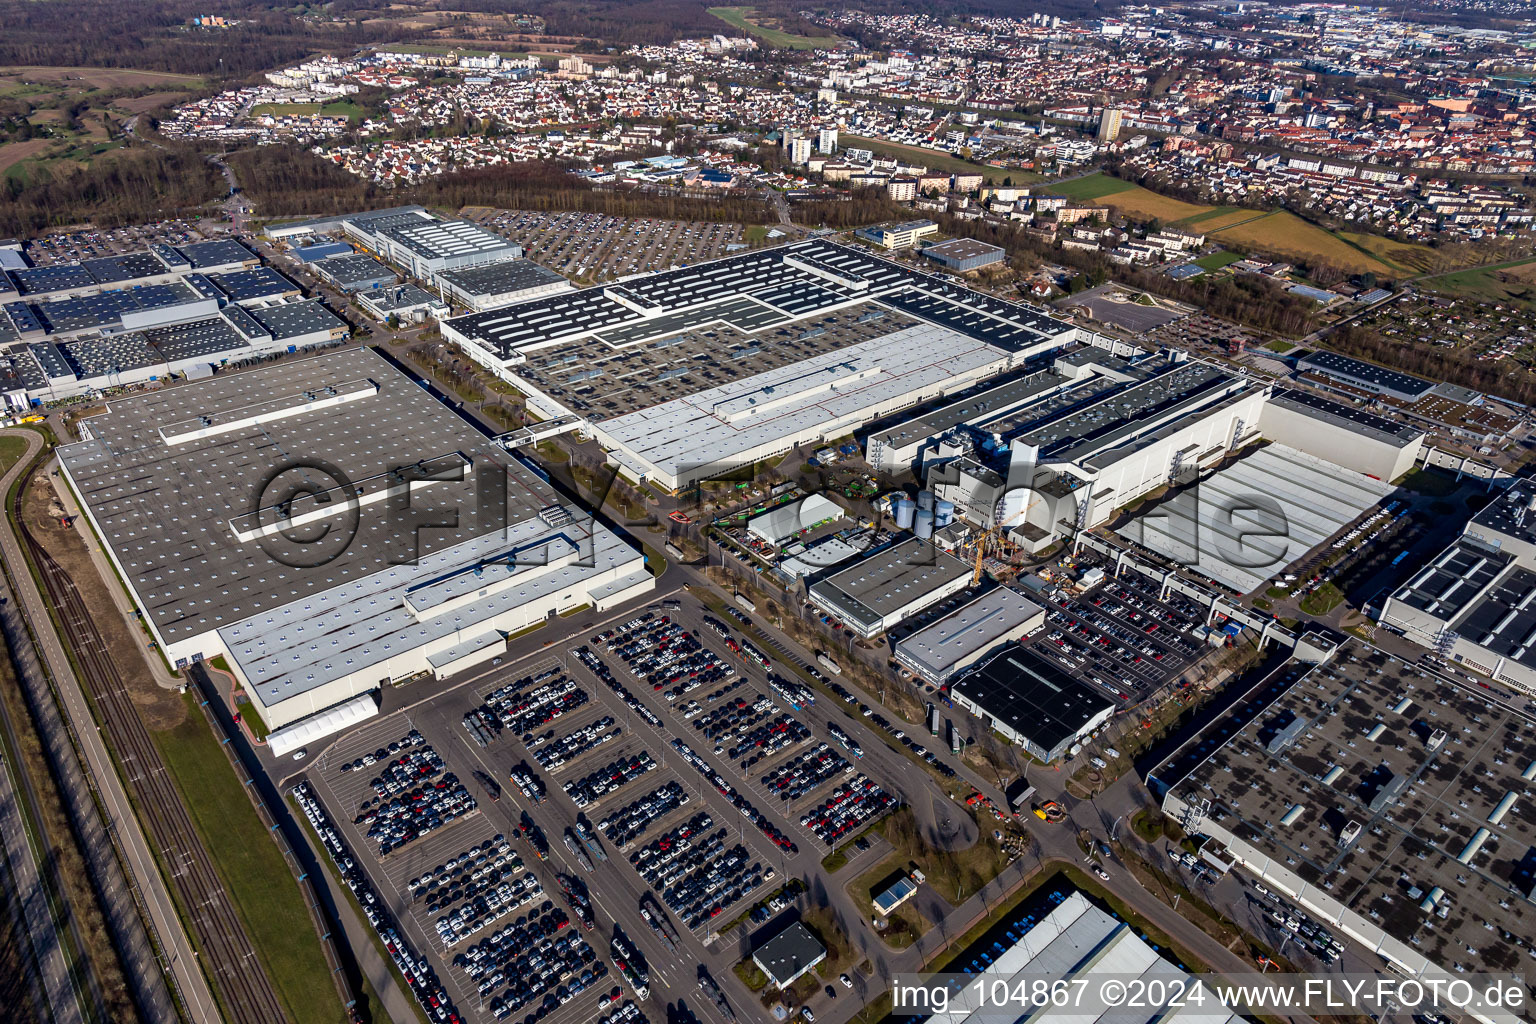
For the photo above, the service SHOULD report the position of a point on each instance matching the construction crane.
(994, 534)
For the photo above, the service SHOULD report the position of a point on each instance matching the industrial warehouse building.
(1475, 602)
(204, 498)
(890, 586)
(1388, 801)
(787, 522)
(504, 283)
(902, 235)
(1248, 521)
(1031, 702)
(963, 254)
(691, 373)
(406, 301)
(1362, 376)
(789, 955)
(355, 272)
(423, 246)
(943, 650)
(1083, 946)
(135, 317)
(1070, 445)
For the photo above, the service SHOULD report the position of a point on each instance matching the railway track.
(224, 949)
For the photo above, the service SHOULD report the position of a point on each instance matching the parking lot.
(1118, 636)
(73, 246)
(592, 248)
(654, 780)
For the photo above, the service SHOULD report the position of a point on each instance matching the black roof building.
(1032, 702)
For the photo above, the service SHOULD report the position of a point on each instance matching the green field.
(1504, 282)
(740, 17)
(1217, 260)
(11, 449)
(340, 108)
(252, 869)
(1094, 186)
(938, 160)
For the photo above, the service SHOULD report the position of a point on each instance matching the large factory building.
(330, 528)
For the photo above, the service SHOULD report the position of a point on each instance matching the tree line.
(1505, 378)
(1249, 299)
(285, 182)
(127, 186)
(154, 35)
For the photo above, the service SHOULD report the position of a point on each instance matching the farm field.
(1279, 232)
(1505, 282)
(1128, 198)
(1219, 218)
(13, 153)
(74, 113)
(937, 160)
(1094, 186)
(1286, 234)
(93, 78)
(741, 17)
(341, 108)
(1411, 257)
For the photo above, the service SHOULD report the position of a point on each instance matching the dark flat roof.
(1366, 423)
(1380, 376)
(1035, 698)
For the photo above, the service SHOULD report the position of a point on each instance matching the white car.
(1104, 875)
(847, 981)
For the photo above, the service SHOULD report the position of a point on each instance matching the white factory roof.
(449, 239)
(1246, 523)
(327, 723)
(334, 634)
(995, 616)
(787, 521)
(1078, 940)
(800, 398)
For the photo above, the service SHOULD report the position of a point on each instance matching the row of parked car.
(540, 706)
(631, 821)
(901, 737)
(664, 655)
(541, 963)
(600, 669)
(700, 883)
(417, 972)
(804, 773)
(847, 808)
(415, 797)
(486, 862)
(768, 738)
(554, 753)
(1322, 943)
(617, 773)
(411, 739)
(735, 715)
(759, 820)
(488, 904)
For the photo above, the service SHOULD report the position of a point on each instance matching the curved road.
(140, 961)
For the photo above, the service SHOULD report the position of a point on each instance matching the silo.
(905, 509)
(924, 525)
(943, 514)
(925, 500)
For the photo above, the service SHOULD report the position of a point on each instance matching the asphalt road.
(140, 962)
(21, 868)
